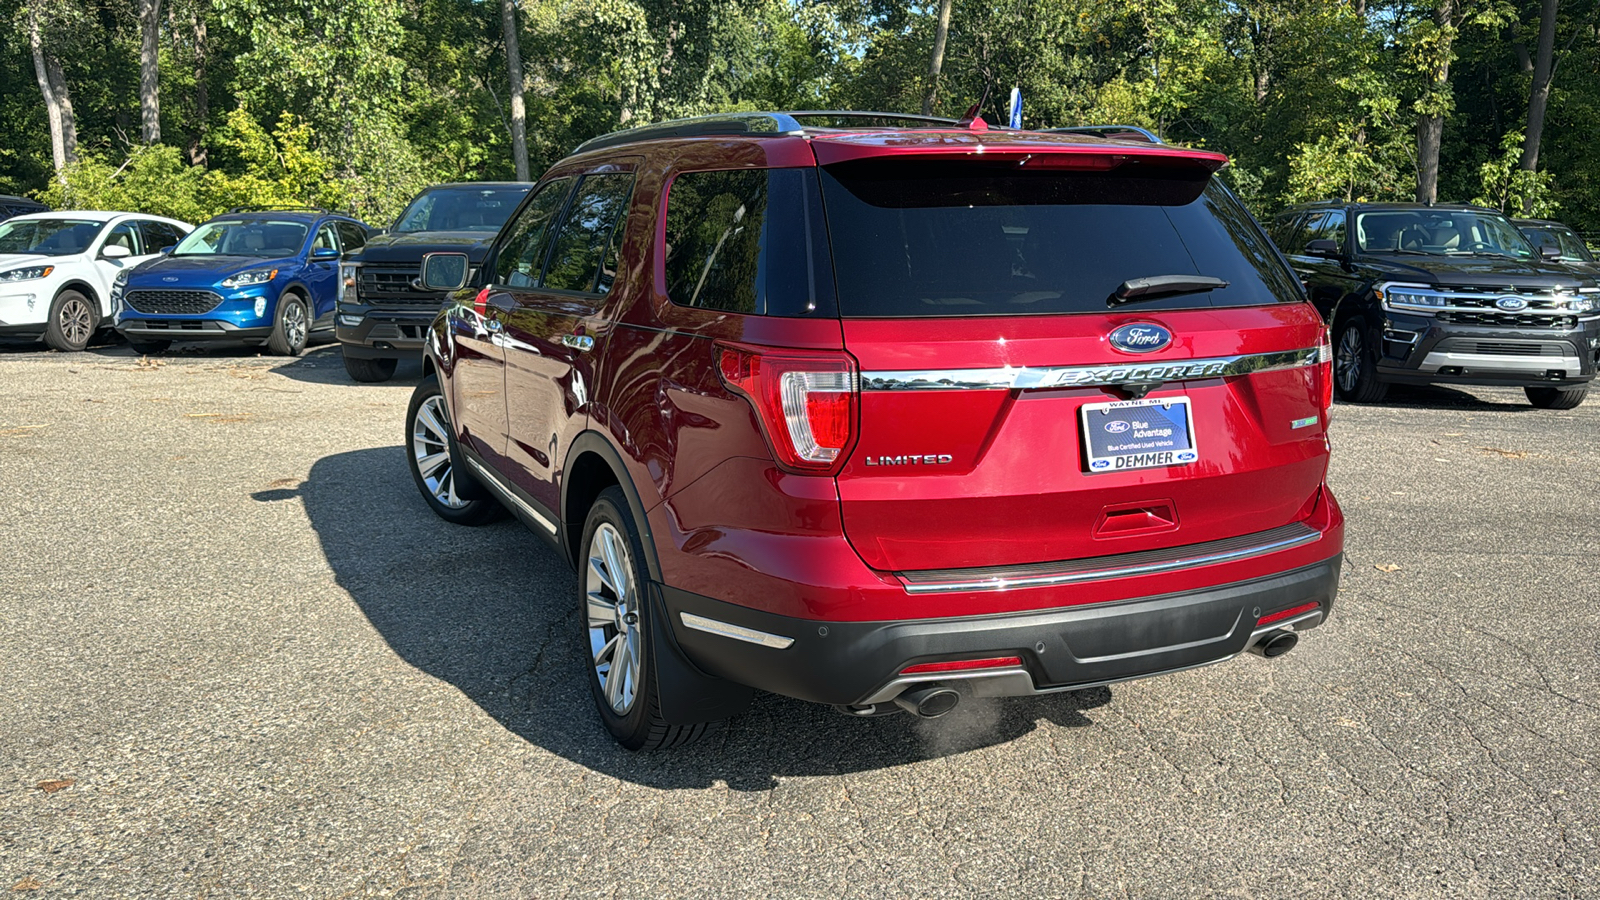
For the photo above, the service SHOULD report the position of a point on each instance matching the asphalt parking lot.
(240, 658)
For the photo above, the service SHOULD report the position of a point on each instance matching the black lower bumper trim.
(847, 662)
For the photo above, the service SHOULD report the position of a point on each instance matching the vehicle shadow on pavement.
(493, 611)
(1434, 396)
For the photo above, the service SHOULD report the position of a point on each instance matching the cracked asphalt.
(240, 658)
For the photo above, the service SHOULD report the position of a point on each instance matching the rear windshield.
(959, 238)
(460, 209)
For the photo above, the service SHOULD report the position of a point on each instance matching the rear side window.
(1331, 228)
(584, 239)
(748, 241)
(352, 237)
(158, 235)
(915, 238)
(1301, 236)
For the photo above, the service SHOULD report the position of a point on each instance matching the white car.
(57, 269)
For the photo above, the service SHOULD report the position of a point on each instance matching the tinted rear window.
(959, 238)
(748, 241)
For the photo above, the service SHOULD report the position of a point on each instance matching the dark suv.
(383, 310)
(878, 417)
(1443, 294)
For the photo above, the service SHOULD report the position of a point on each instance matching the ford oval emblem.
(170, 279)
(1140, 337)
(1512, 304)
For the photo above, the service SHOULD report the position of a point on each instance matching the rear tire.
(1355, 364)
(73, 320)
(370, 371)
(1555, 398)
(291, 326)
(447, 487)
(146, 348)
(614, 611)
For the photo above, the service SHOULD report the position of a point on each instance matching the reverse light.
(27, 274)
(805, 401)
(252, 277)
(963, 665)
(1325, 372)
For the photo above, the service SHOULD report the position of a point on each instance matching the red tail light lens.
(963, 665)
(805, 400)
(1325, 371)
(1288, 613)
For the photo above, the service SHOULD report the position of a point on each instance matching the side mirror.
(167, 249)
(444, 271)
(115, 251)
(1550, 251)
(1325, 248)
(324, 253)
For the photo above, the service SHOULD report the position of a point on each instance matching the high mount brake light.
(805, 400)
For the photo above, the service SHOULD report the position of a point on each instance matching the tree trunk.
(202, 97)
(519, 112)
(57, 100)
(1430, 125)
(150, 71)
(1539, 96)
(937, 62)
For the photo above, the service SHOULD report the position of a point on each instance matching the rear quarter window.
(958, 238)
(748, 241)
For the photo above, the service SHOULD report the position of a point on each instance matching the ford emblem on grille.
(170, 279)
(1140, 337)
(1512, 304)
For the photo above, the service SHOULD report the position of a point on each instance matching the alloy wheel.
(430, 446)
(1347, 361)
(294, 324)
(611, 606)
(76, 321)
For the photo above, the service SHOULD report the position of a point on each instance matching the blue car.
(262, 276)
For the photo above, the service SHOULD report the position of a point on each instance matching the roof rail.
(274, 207)
(768, 124)
(1113, 132)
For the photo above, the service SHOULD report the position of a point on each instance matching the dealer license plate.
(1139, 434)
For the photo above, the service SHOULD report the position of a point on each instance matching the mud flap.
(687, 695)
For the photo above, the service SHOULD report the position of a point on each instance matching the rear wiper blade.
(1152, 286)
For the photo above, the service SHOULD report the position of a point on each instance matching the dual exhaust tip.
(933, 701)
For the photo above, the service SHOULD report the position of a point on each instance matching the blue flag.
(1016, 107)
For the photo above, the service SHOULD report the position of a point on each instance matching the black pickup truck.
(1443, 294)
(383, 310)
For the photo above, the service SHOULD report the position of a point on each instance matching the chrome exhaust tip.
(929, 702)
(1275, 643)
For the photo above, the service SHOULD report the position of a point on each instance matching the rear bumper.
(1060, 649)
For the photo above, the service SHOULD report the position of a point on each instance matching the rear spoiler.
(1111, 132)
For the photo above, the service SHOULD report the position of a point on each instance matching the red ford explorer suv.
(884, 417)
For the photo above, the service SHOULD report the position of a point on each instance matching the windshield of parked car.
(1565, 240)
(48, 237)
(1440, 232)
(913, 238)
(263, 237)
(460, 209)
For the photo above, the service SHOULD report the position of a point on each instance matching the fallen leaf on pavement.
(58, 784)
(1508, 454)
(1387, 567)
(28, 884)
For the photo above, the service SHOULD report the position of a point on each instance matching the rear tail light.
(1325, 372)
(805, 400)
(963, 665)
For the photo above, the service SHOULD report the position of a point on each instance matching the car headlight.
(349, 284)
(27, 274)
(118, 285)
(246, 279)
(1409, 297)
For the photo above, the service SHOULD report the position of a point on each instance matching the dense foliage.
(357, 103)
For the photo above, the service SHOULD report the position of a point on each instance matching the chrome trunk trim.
(1071, 571)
